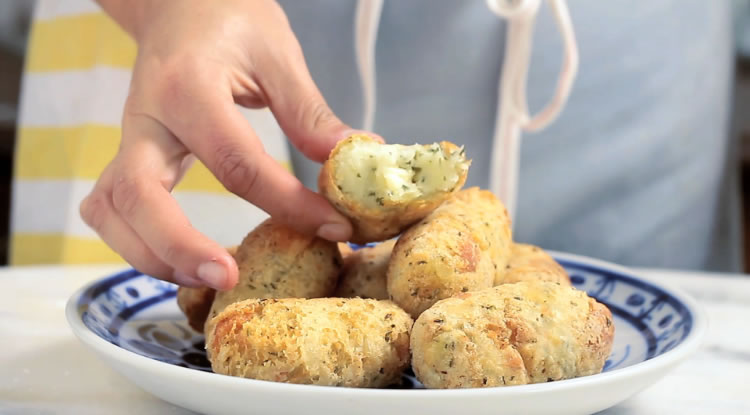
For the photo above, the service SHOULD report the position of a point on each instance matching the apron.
(639, 168)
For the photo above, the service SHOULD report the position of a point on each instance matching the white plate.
(132, 321)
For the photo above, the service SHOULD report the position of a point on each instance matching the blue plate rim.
(690, 344)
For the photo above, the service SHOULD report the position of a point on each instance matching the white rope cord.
(513, 114)
(367, 20)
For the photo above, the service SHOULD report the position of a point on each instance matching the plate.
(132, 321)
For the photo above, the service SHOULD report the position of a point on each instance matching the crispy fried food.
(325, 341)
(512, 334)
(457, 248)
(344, 249)
(529, 262)
(195, 303)
(384, 188)
(277, 262)
(363, 273)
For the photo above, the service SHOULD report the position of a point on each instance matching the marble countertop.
(44, 369)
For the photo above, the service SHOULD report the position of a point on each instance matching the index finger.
(212, 127)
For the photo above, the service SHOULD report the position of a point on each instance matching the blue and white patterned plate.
(132, 320)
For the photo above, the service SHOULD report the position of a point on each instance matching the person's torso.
(629, 172)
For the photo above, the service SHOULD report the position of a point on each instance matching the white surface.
(46, 370)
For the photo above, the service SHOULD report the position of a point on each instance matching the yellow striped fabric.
(75, 83)
(78, 42)
(50, 248)
(83, 151)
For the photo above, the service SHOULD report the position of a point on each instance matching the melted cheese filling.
(375, 173)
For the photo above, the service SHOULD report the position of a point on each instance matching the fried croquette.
(363, 272)
(529, 262)
(384, 188)
(344, 249)
(511, 334)
(351, 342)
(277, 262)
(457, 248)
(195, 303)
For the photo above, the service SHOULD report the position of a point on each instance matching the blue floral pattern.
(139, 313)
(661, 319)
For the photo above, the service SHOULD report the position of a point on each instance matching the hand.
(196, 59)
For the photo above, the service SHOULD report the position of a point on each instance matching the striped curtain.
(76, 80)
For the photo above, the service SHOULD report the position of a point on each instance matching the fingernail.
(213, 274)
(334, 232)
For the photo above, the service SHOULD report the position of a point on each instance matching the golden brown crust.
(529, 262)
(233, 250)
(512, 334)
(344, 249)
(326, 341)
(195, 303)
(275, 261)
(374, 224)
(457, 248)
(363, 273)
